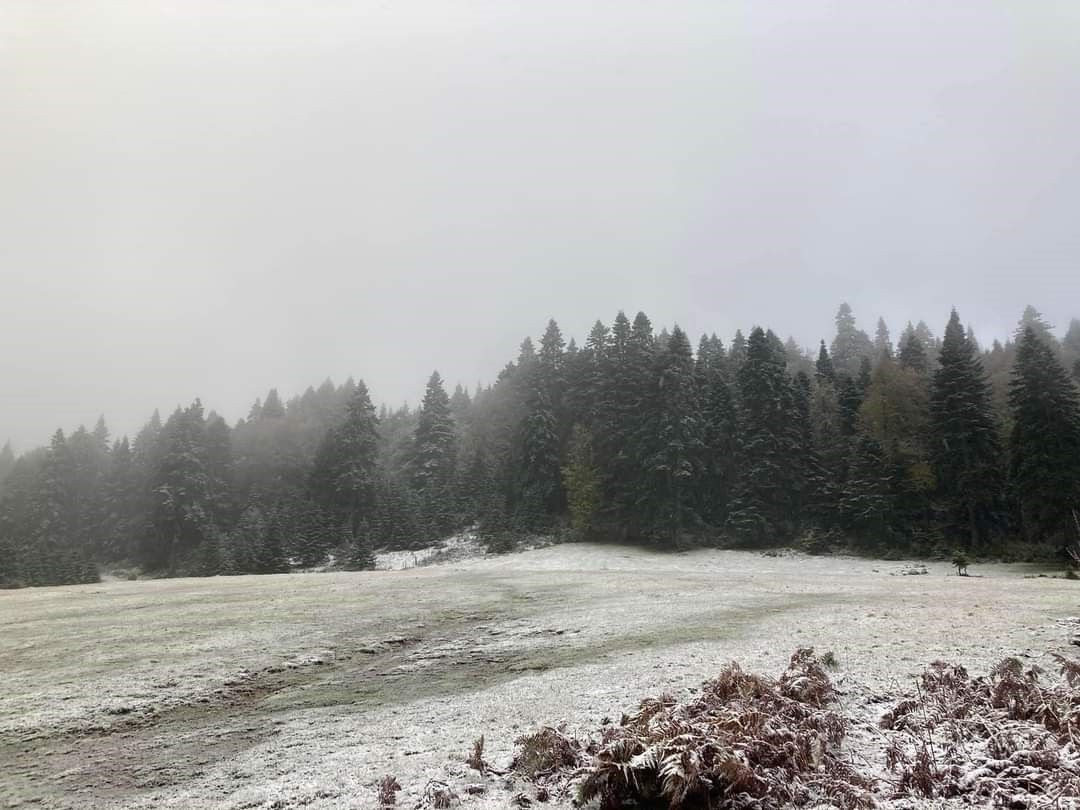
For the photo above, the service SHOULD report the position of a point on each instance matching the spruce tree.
(737, 355)
(762, 508)
(1045, 443)
(360, 555)
(435, 442)
(187, 491)
(964, 451)
(851, 344)
(343, 473)
(671, 440)
(718, 436)
(824, 369)
(539, 491)
(913, 354)
(582, 482)
(882, 341)
(272, 407)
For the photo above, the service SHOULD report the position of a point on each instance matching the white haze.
(213, 198)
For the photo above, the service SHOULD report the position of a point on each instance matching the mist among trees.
(922, 444)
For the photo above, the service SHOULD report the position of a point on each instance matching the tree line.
(925, 445)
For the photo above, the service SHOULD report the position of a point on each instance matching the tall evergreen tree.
(671, 440)
(737, 355)
(718, 436)
(763, 509)
(582, 483)
(965, 454)
(435, 442)
(851, 344)
(1045, 443)
(913, 354)
(7, 461)
(343, 474)
(882, 341)
(824, 369)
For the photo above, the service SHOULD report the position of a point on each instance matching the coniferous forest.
(924, 445)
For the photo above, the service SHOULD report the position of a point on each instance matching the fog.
(211, 199)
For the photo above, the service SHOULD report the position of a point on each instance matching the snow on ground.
(303, 690)
(459, 547)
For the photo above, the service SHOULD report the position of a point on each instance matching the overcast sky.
(213, 198)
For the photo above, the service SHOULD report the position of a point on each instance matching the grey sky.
(213, 198)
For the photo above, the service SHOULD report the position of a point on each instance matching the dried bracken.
(546, 752)
(437, 795)
(475, 760)
(1005, 740)
(388, 788)
(745, 742)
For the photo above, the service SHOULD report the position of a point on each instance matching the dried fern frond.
(388, 788)
(475, 760)
(1070, 670)
(545, 751)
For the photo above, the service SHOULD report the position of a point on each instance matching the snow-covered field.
(303, 690)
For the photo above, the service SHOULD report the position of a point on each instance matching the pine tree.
(737, 355)
(1045, 443)
(851, 344)
(545, 427)
(272, 407)
(1033, 319)
(866, 373)
(882, 341)
(671, 440)
(582, 482)
(718, 436)
(824, 369)
(964, 452)
(539, 488)
(434, 456)
(807, 473)
(624, 380)
(343, 473)
(1070, 353)
(895, 414)
(270, 556)
(762, 510)
(849, 400)
(186, 492)
(866, 495)
(360, 557)
(435, 441)
(913, 353)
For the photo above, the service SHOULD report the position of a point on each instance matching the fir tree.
(360, 556)
(343, 474)
(539, 490)
(435, 441)
(737, 355)
(851, 344)
(582, 482)
(913, 354)
(1045, 443)
(824, 367)
(882, 341)
(762, 510)
(272, 407)
(718, 437)
(965, 454)
(672, 439)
